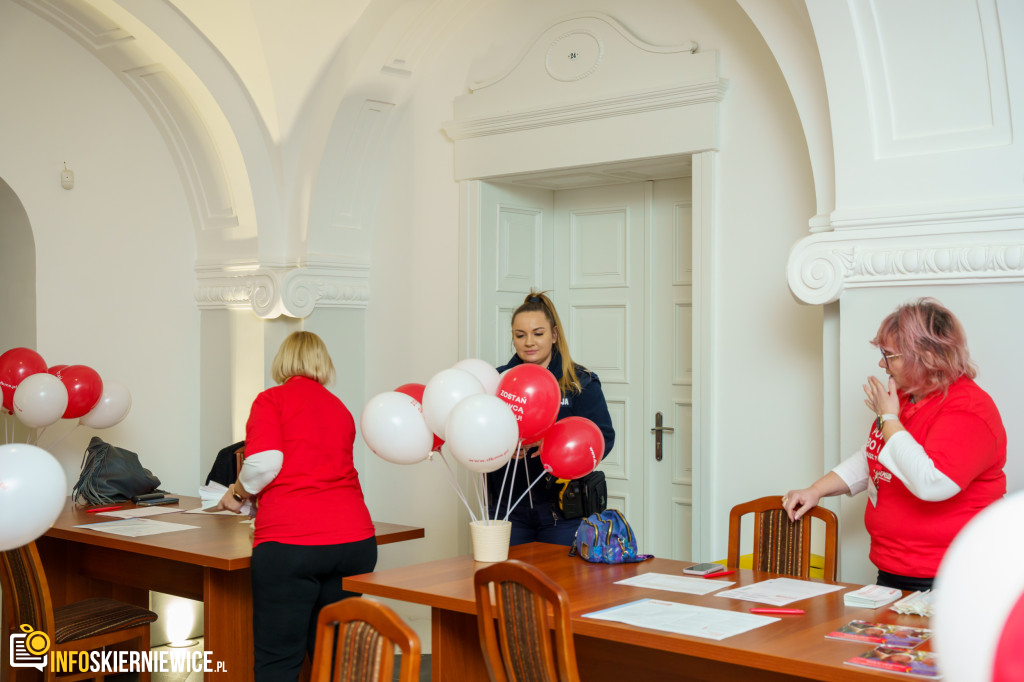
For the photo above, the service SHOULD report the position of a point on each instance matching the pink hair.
(932, 345)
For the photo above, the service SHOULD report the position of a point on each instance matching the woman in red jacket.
(936, 450)
(312, 526)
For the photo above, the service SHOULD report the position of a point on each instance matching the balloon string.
(39, 434)
(57, 442)
(535, 482)
(501, 490)
(526, 475)
(483, 486)
(449, 476)
(479, 499)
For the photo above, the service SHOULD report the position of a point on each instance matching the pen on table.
(102, 509)
(715, 575)
(780, 612)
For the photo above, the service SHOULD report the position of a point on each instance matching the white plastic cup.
(490, 540)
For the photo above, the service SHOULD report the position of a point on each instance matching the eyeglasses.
(886, 357)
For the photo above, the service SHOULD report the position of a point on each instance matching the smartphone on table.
(703, 569)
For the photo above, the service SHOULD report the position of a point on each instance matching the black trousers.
(290, 584)
(903, 582)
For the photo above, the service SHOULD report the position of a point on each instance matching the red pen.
(780, 612)
(102, 509)
(715, 575)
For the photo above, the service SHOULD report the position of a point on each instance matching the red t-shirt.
(963, 435)
(316, 498)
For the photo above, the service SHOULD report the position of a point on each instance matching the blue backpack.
(606, 538)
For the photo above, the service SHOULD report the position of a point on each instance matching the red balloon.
(84, 389)
(56, 368)
(572, 448)
(15, 365)
(415, 391)
(534, 396)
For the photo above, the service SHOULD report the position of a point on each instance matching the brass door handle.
(657, 431)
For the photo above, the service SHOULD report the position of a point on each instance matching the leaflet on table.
(896, 636)
(136, 527)
(779, 591)
(682, 619)
(903, 661)
(140, 511)
(674, 583)
(872, 596)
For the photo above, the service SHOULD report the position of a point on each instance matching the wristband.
(238, 498)
(882, 418)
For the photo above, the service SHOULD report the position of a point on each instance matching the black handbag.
(584, 496)
(111, 474)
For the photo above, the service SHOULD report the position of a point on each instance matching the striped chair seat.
(97, 616)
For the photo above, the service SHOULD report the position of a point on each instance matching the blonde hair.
(538, 302)
(303, 354)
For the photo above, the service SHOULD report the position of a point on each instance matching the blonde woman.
(312, 526)
(539, 338)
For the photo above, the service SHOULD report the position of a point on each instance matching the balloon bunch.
(40, 396)
(484, 419)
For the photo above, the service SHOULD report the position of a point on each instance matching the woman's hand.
(799, 502)
(229, 503)
(881, 400)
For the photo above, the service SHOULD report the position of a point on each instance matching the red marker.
(102, 509)
(780, 612)
(720, 573)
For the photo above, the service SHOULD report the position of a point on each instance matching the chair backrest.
(355, 642)
(514, 631)
(780, 545)
(24, 585)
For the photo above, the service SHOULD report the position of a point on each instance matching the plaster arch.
(17, 273)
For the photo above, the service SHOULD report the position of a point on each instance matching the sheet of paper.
(211, 493)
(779, 591)
(136, 527)
(140, 511)
(675, 583)
(682, 619)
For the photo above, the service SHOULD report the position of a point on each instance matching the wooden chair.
(84, 625)
(520, 647)
(781, 546)
(355, 642)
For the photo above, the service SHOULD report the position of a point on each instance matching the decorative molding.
(272, 291)
(574, 55)
(622, 105)
(824, 265)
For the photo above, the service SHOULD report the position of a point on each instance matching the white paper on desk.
(134, 528)
(139, 511)
(682, 619)
(674, 583)
(779, 591)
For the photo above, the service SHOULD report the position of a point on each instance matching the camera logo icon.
(28, 648)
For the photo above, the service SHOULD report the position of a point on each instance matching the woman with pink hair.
(935, 453)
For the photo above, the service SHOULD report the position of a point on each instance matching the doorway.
(617, 259)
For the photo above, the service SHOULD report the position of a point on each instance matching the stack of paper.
(211, 493)
(919, 604)
(871, 596)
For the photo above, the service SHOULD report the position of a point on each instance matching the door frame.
(704, 253)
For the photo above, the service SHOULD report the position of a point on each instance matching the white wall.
(114, 280)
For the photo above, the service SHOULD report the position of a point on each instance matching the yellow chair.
(519, 649)
(781, 546)
(355, 642)
(84, 625)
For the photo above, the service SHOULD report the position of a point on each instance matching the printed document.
(779, 591)
(682, 619)
(136, 527)
(675, 583)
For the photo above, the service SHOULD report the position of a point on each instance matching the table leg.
(455, 647)
(227, 624)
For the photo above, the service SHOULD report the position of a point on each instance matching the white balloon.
(392, 426)
(971, 606)
(110, 409)
(486, 374)
(33, 491)
(482, 432)
(444, 390)
(40, 400)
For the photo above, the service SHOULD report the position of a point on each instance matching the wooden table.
(210, 565)
(794, 648)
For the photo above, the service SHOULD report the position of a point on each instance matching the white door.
(616, 259)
